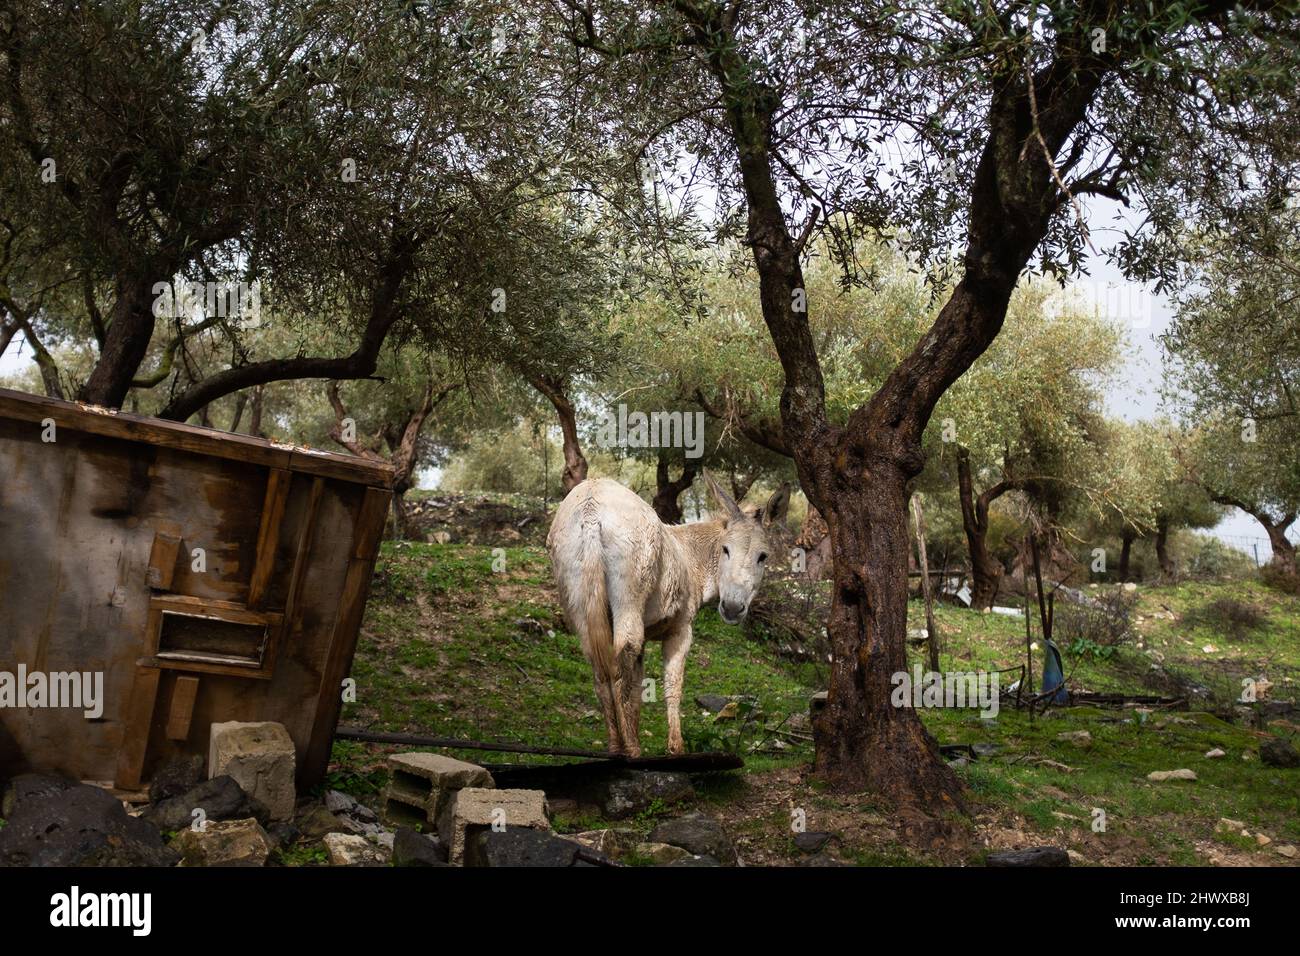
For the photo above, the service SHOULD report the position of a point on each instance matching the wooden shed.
(207, 576)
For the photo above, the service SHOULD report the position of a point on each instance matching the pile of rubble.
(436, 811)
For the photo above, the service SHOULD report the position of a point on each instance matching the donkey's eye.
(726, 551)
(762, 558)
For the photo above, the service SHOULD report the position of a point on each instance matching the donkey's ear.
(777, 506)
(723, 500)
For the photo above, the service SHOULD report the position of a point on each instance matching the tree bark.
(1126, 548)
(1162, 549)
(1284, 552)
(575, 463)
(126, 343)
(986, 570)
(668, 491)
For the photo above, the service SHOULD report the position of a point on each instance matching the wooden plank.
(212, 607)
(135, 730)
(21, 406)
(184, 692)
(162, 560)
(268, 534)
(302, 550)
(367, 531)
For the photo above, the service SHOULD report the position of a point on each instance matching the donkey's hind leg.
(609, 708)
(629, 648)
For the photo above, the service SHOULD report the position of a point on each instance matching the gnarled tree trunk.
(986, 570)
(1162, 547)
(668, 491)
(575, 463)
(1125, 550)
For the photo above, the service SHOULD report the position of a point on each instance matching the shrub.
(1106, 622)
(1228, 616)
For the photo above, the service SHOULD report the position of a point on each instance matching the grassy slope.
(452, 647)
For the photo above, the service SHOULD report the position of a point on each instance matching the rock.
(348, 849)
(712, 702)
(1034, 856)
(260, 756)
(37, 786)
(730, 712)
(1080, 738)
(812, 841)
(613, 842)
(1286, 850)
(315, 821)
(426, 783)
(1278, 752)
(696, 860)
(522, 846)
(176, 777)
(702, 835)
(632, 791)
(1262, 840)
(985, 750)
(1076, 857)
(79, 825)
(1130, 586)
(660, 854)
(355, 816)
(1228, 826)
(417, 849)
(283, 834)
(478, 807)
(224, 843)
(1215, 754)
(1160, 776)
(220, 798)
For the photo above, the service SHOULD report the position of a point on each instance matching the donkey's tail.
(594, 597)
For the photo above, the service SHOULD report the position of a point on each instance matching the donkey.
(625, 577)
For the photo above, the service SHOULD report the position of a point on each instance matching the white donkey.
(624, 577)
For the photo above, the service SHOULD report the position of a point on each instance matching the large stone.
(224, 843)
(79, 826)
(1278, 752)
(355, 816)
(176, 777)
(417, 849)
(348, 849)
(420, 785)
(613, 842)
(701, 835)
(1033, 856)
(476, 808)
(632, 791)
(260, 756)
(315, 821)
(220, 798)
(812, 841)
(1160, 776)
(522, 846)
(661, 854)
(37, 786)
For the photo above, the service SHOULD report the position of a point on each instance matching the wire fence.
(1254, 546)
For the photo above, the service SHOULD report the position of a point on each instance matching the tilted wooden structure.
(208, 576)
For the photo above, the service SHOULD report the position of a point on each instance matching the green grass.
(453, 646)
